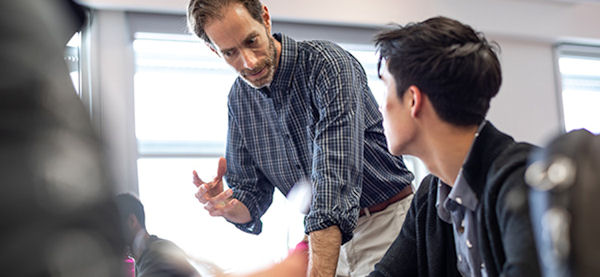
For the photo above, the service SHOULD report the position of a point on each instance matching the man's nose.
(249, 59)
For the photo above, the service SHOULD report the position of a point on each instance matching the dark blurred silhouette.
(57, 212)
(565, 181)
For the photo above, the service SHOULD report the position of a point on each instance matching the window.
(580, 76)
(180, 90)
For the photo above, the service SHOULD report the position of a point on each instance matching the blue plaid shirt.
(317, 120)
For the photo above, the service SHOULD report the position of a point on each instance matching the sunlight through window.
(580, 90)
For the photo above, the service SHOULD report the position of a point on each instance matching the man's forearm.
(324, 251)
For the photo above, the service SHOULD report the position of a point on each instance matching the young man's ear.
(132, 221)
(416, 99)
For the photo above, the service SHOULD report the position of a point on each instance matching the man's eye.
(251, 41)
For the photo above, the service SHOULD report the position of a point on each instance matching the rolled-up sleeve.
(337, 147)
(245, 179)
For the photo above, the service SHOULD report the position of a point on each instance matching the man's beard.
(268, 64)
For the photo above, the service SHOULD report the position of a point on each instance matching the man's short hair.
(127, 204)
(199, 12)
(448, 61)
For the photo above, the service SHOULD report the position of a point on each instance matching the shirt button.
(459, 200)
(459, 258)
(297, 166)
(461, 229)
(482, 266)
(469, 245)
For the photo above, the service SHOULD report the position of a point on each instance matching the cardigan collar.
(485, 149)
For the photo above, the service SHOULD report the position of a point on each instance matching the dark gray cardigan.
(494, 169)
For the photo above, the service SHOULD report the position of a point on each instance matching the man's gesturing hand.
(218, 202)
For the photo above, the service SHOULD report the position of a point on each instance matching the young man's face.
(245, 44)
(396, 115)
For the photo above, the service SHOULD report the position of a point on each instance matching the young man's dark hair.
(452, 64)
(200, 11)
(129, 204)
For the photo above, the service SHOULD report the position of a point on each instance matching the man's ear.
(132, 222)
(416, 98)
(212, 48)
(266, 18)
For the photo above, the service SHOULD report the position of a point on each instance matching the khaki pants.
(373, 235)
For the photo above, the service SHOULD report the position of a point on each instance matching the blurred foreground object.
(295, 265)
(300, 196)
(565, 181)
(57, 214)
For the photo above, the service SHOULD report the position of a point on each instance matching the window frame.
(572, 50)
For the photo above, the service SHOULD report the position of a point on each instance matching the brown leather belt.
(381, 206)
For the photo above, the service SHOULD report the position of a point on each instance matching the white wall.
(527, 105)
(528, 18)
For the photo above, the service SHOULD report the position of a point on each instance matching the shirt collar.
(451, 199)
(287, 62)
(442, 195)
(462, 193)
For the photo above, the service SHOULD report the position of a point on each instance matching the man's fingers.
(213, 184)
(223, 196)
(201, 194)
(213, 212)
(217, 204)
(200, 198)
(230, 205)
(196, 179)
(217, 208)
(220, 205)
(222, 167)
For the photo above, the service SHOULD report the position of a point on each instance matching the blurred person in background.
(153, 256)
(156, 257)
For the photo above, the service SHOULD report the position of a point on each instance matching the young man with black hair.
(302, 110)
(470, 216)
